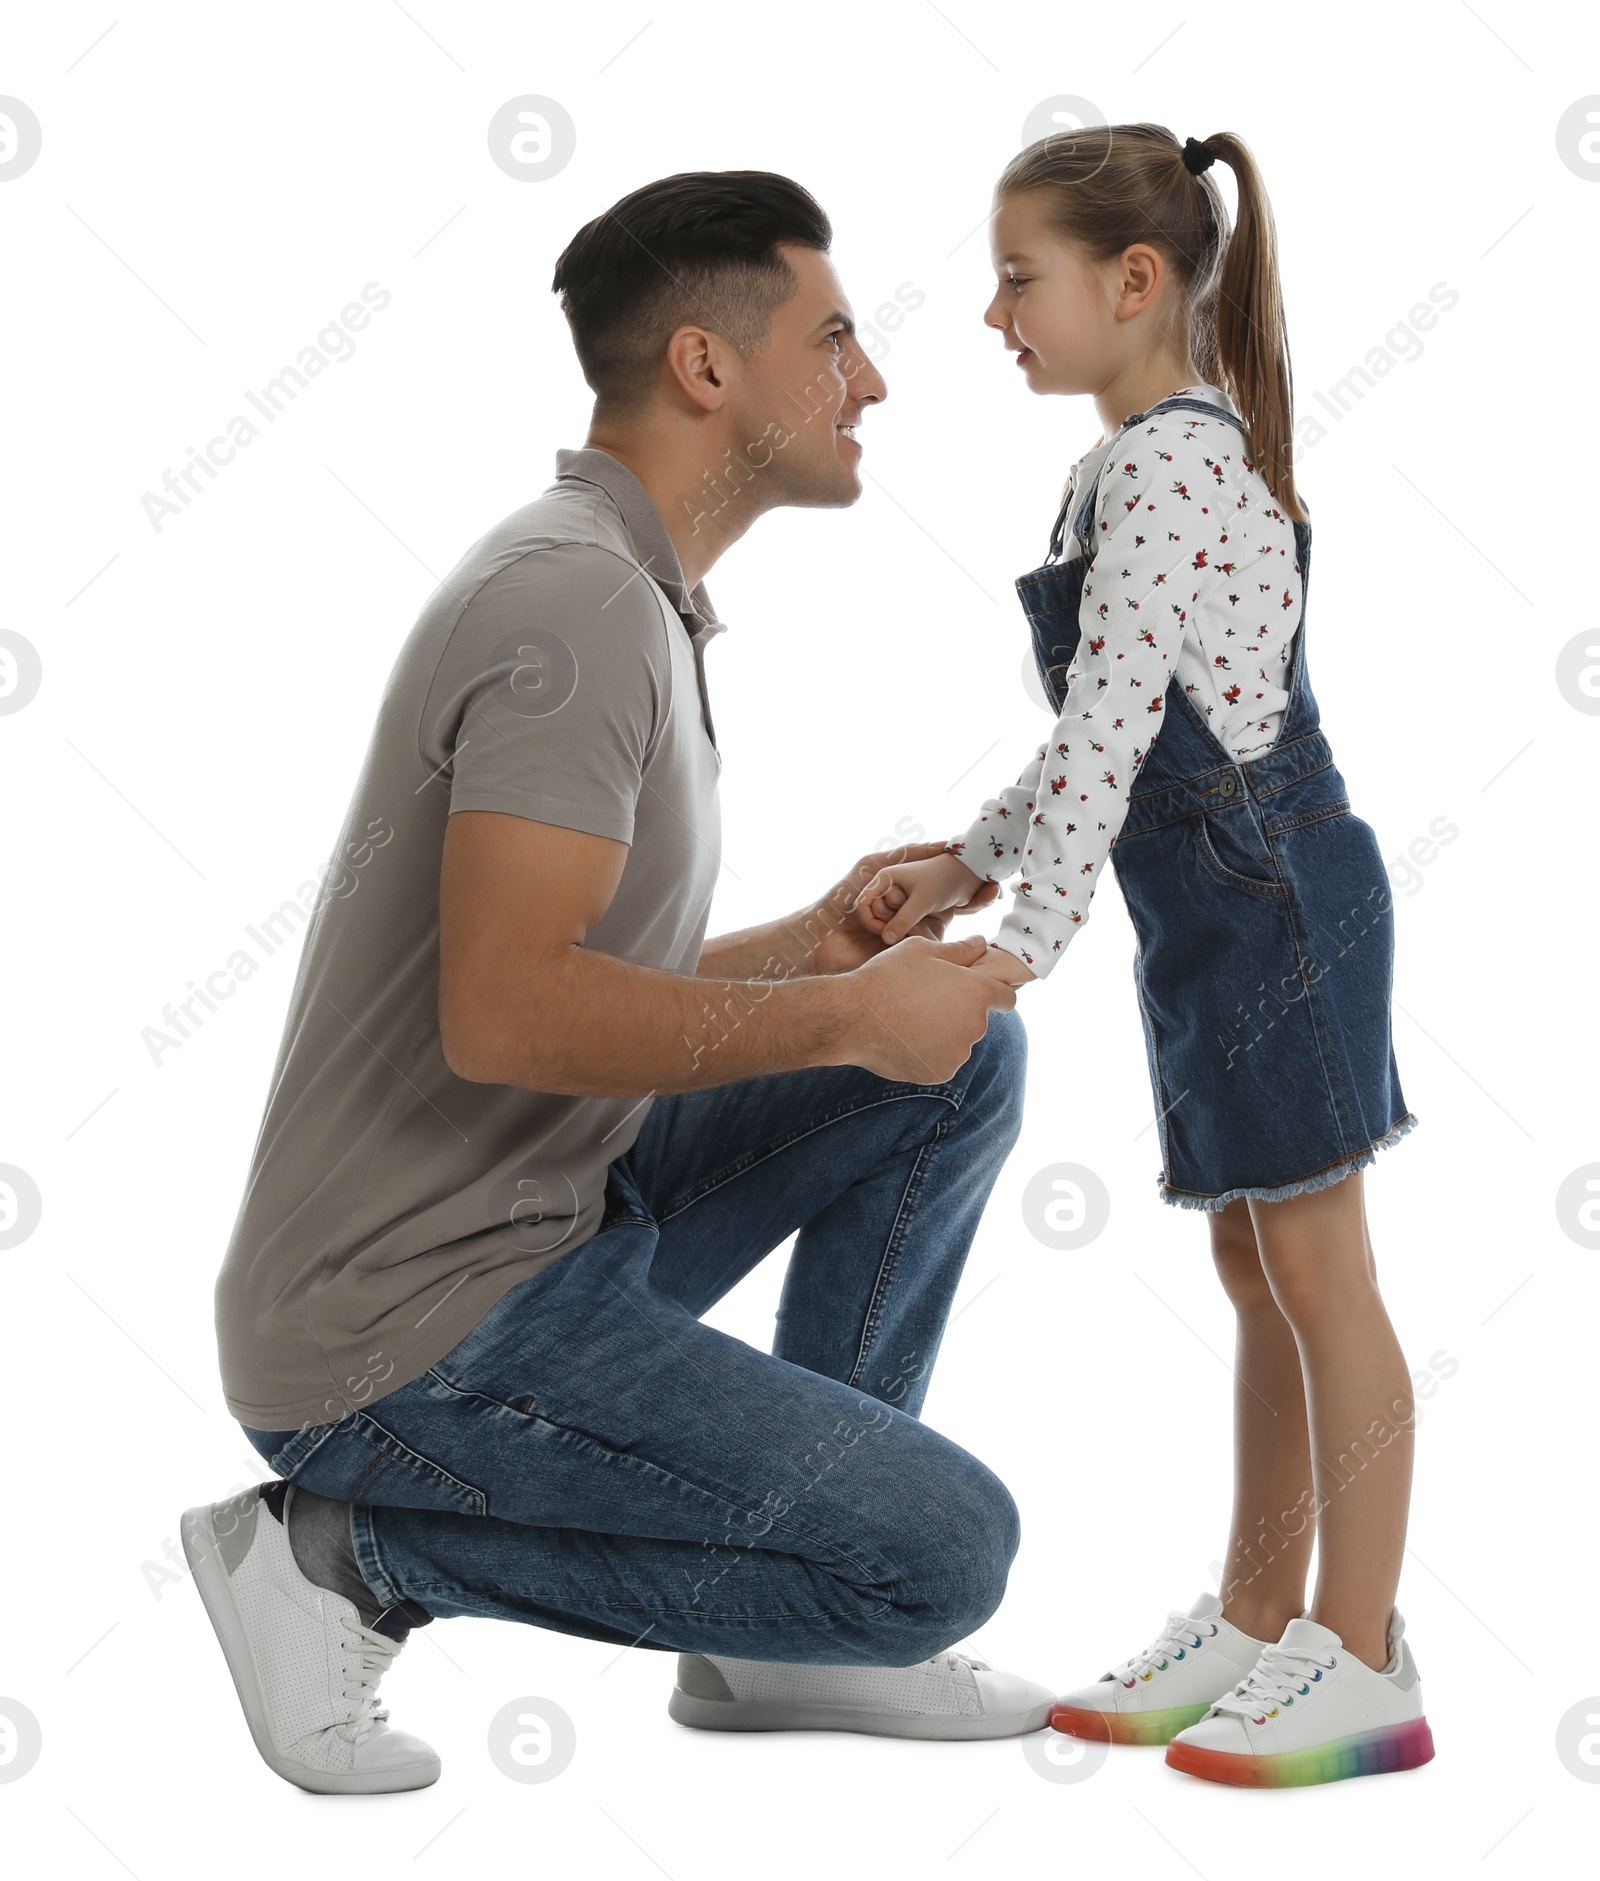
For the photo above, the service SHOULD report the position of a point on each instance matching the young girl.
(1172, 645)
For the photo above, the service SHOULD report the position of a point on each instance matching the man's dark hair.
(697, 249)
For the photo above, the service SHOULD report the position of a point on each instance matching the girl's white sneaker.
(1310, 1712)
(1196, 1657)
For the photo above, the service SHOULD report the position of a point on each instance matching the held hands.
(853, 936)
(916, 1010)
(901, 896)
(918, 1004)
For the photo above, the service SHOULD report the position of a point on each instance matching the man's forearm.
(774, 950)
(604, 1027)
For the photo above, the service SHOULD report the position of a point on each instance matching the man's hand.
(916, 1010)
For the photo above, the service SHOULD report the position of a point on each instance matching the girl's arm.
(937, 884)
(992, 847)
(1169, 520)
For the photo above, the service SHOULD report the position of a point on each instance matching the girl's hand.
(999, 963)
(900, 896)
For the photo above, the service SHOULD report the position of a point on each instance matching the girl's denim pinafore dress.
(1263, 914)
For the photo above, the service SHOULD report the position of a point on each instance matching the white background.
(215, 184)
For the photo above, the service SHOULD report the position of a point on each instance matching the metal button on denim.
(1227, 784)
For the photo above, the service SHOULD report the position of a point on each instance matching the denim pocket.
(360, 1461)
(1225, 853)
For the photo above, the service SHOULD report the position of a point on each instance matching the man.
(526, 1125)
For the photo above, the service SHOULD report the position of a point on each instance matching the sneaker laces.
(372, 1653)
(952, 1661)
(1181, 1635)
(1280, 1676)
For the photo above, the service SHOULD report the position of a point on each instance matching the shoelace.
(373, 1653)
(1280, 1676)
(953, 1660)
(1178, 1638)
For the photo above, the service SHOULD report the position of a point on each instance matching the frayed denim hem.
(1184, 1198)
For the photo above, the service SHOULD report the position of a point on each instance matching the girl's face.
(1057, 310)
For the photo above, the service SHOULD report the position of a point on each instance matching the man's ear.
(697, 361)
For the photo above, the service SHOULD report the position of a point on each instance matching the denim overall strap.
(1083, 528)
(1186, 751)
(1050, 594)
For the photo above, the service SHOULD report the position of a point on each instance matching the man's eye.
(836, 339)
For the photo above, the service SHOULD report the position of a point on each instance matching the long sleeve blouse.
(1193, 569)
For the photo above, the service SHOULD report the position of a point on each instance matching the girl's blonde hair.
(1105, 187)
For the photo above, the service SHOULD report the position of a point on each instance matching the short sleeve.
(551, 691)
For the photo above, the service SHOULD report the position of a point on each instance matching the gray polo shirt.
(556, 674)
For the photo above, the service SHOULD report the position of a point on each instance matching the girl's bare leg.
(1273, 1525)
(1317, 1257)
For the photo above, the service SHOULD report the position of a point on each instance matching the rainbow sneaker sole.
(1368, 1753)
(1126, 1727)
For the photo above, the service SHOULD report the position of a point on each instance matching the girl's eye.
(1016, 280)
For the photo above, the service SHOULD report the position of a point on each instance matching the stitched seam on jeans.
(275, 1462)
(732, 1171)
(1241, 764)
(805, 1540)
(1271, 790)
(1230, 878)
(1163, 1107)
(419, 1589)
(364, 1530)
(1316, 1029)
(1340, 808)
(889, 1263)
(396, 1450)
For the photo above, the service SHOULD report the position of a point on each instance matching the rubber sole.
(755, 1714)
(216, 1592)
(1150, 1728)
(1368, 1753)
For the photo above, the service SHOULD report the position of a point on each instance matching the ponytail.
(1248, 331)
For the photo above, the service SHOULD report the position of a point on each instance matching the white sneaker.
(952, 1695)
(1195, 1659)
(304, 1666)
(1310, 1712)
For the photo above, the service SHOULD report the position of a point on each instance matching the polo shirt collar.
(647, 532)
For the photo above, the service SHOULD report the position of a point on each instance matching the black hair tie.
(1196, 157)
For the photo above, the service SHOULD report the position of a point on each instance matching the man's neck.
(703, 510)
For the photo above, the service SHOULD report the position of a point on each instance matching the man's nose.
(866, 382)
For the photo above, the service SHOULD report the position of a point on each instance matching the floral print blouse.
(1193, 571)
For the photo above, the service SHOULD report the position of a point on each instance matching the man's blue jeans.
(593, 1459)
